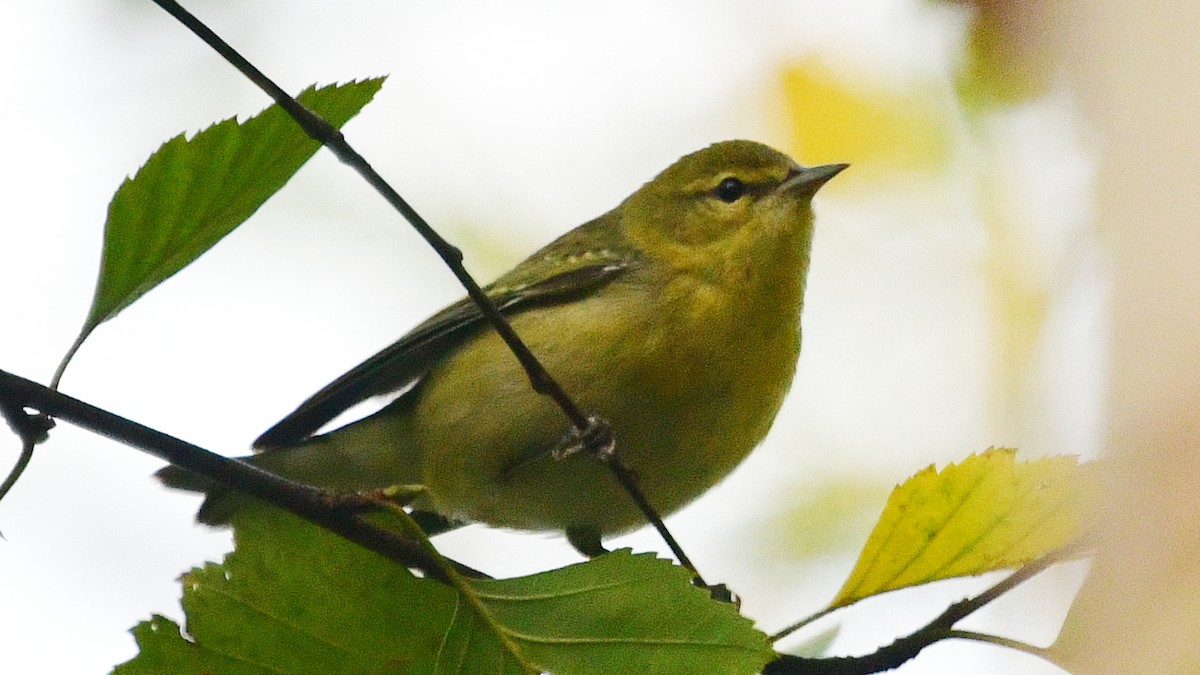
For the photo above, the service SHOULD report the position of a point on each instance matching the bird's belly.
(687, 397)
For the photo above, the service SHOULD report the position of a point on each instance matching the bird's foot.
(586, 540)
(595, 440)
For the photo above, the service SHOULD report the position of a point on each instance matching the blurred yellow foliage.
(842, 120)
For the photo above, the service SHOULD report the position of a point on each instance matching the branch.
(332, 138)
(31, 429)
(312, 504)
(539, 378)
(941, 628)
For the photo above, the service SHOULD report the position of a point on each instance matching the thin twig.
(31, 429)
(1041, 652)
(628, 480)
(19, 467)
(964, 608)
(329, 136)
(332, 138)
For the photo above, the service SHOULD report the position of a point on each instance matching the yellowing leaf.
(985, 514)
(838, 120)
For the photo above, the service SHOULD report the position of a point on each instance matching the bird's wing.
(404, 363)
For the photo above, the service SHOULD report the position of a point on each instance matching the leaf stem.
(775, 637)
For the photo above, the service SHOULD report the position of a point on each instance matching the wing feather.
(405, 362)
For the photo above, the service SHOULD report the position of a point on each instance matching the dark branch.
(310, 503)
(320, 130)
(941, 628)
(332, 138)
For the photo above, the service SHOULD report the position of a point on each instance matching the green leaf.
(163, 650)
(194, 191)
(987, 513)
(622, 613)
(293, 598)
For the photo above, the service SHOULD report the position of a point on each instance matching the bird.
(675, 317)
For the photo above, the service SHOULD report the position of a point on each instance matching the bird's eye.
(730, 190)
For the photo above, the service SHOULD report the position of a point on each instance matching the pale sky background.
(505, 125)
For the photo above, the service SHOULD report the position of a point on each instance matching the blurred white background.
(957, 300)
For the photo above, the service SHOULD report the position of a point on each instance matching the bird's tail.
(220, 501)
(371, 453)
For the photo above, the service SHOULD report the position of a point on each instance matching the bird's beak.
(810, 178)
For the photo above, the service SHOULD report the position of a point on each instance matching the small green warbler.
(675, 316)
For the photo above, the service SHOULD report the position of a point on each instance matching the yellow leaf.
(987, 513)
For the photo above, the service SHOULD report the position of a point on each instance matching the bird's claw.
(595, 440)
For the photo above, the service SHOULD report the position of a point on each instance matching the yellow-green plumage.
(675, 316)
